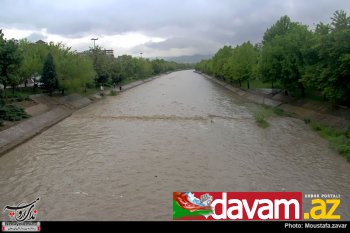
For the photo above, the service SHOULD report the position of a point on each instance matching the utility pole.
(94, 39)
(94, 53)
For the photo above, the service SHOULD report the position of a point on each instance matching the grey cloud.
(36, 36)
(199, 45)
(208, 22)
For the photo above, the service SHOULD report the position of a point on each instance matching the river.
(122, 157)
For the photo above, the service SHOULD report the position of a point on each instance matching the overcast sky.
(157, 28)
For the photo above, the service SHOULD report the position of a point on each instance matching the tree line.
(110, 70)
(293, 57)
(60, 68)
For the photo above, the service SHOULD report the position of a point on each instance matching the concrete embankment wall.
(59, 109)
(25, 130)
(52, 110)
(259, 99)
(137, 83)
(300, 111)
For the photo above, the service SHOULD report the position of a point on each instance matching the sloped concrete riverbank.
(48, 111)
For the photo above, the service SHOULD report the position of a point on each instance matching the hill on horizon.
(188, 59)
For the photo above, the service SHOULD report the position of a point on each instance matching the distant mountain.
(188, 59)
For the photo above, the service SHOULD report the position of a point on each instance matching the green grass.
(338, 139)
(17, 96)
(262, 113)
(262, 123)
(21, 93)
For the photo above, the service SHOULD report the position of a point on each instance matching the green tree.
(241, 65)
(294, 57)
(49, 76)
(328, 67)
(143, 68)
(74, 70)
(10, 60)
(340, 21)
(280, 28)
(270, 68)
(158, 66)
(101, 63)
(205, 66)
(34, 55)
(126, 66)
(219, 60)
(283, 55)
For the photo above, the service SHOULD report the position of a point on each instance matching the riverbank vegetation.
(11, 112)
(338, 139)
(262, 113)
(22, 62)
(292, 57)
(261, 116)
(55, 68)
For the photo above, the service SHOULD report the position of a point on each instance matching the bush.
(260, 116)
(11, 112)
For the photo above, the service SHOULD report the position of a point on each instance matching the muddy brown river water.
(121, 158)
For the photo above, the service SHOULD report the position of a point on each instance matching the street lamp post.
(94, 39)
(141, 54)
(94, 53)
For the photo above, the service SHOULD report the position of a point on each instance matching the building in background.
(108, 52)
